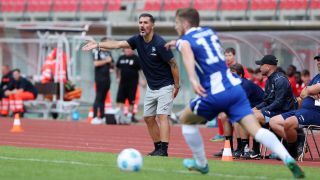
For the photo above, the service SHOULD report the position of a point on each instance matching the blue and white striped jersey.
(211, 68)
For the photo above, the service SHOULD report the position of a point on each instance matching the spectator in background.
(230, 56)
(259, 79)
(299, 82)
(102, 63)
(127, 72)
(5, 81)
(305, 77)
(18, 91)
(291, 71)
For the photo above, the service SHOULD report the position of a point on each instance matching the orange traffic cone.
(90, 115)
(16, 124)
(227, 155)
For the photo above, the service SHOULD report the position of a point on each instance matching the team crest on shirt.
(153, 51)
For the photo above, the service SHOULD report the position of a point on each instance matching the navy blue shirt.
(154, 58)
(278, 95)
(24, 84)
(254, 93)
(308, 102)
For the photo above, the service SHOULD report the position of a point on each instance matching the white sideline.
(148, 169)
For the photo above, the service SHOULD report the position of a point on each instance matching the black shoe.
(160, 152)
(151, 153)
(218, 154)
(134, 120)
(236, 154)
(300, 143)
(245, 155)
(255, 155)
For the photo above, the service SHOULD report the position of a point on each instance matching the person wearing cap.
(279, 97)
(278, 93)
(287, 124)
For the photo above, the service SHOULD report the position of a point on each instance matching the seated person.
(286, 125)
(255, 96)
(278, 93)
(5, 81)
(18, 91)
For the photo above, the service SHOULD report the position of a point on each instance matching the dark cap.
(317, 57)
(268, 59)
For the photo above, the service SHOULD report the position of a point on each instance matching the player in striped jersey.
(219, 91)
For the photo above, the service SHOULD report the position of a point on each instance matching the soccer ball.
(130, 160)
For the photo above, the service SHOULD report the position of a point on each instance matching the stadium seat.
(293, 9)
(152, 5)
(93, 5)
(234, 5)
(233, 9)
(263, 5)
(315, 4)
(65, 5)
(172, 5)
(263, 9)
(293, 4)
(13, 5)
(315, 9)
(114, 5)
(39, 5)
(205, 4)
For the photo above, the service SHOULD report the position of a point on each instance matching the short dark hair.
(293, 67)
(230, 50)
(257, 71)
(305, 72)
(189, 14)
(16, 70)
(238, 69)
(147, 15)
(104, 39)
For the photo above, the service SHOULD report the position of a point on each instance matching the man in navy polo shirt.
(162, 74)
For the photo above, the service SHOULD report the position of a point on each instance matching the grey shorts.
(158, 101)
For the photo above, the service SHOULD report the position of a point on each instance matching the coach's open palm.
(90, 45)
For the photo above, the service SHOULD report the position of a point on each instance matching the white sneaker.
(96, 121)
(103, 120)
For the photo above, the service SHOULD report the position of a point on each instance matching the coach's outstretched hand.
(90, 45)
(170, 45)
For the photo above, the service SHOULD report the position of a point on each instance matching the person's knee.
(290, 123)
(276, 121)
(150, 119)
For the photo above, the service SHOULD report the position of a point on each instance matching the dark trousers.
(102, 88)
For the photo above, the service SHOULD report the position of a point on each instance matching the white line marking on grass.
(49, 161)
(144, 169)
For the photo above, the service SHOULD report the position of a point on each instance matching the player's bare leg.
(193, 138)
(269, 140)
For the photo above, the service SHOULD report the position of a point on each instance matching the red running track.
(82, 136)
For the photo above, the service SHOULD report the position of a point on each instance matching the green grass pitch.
(43, 164)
